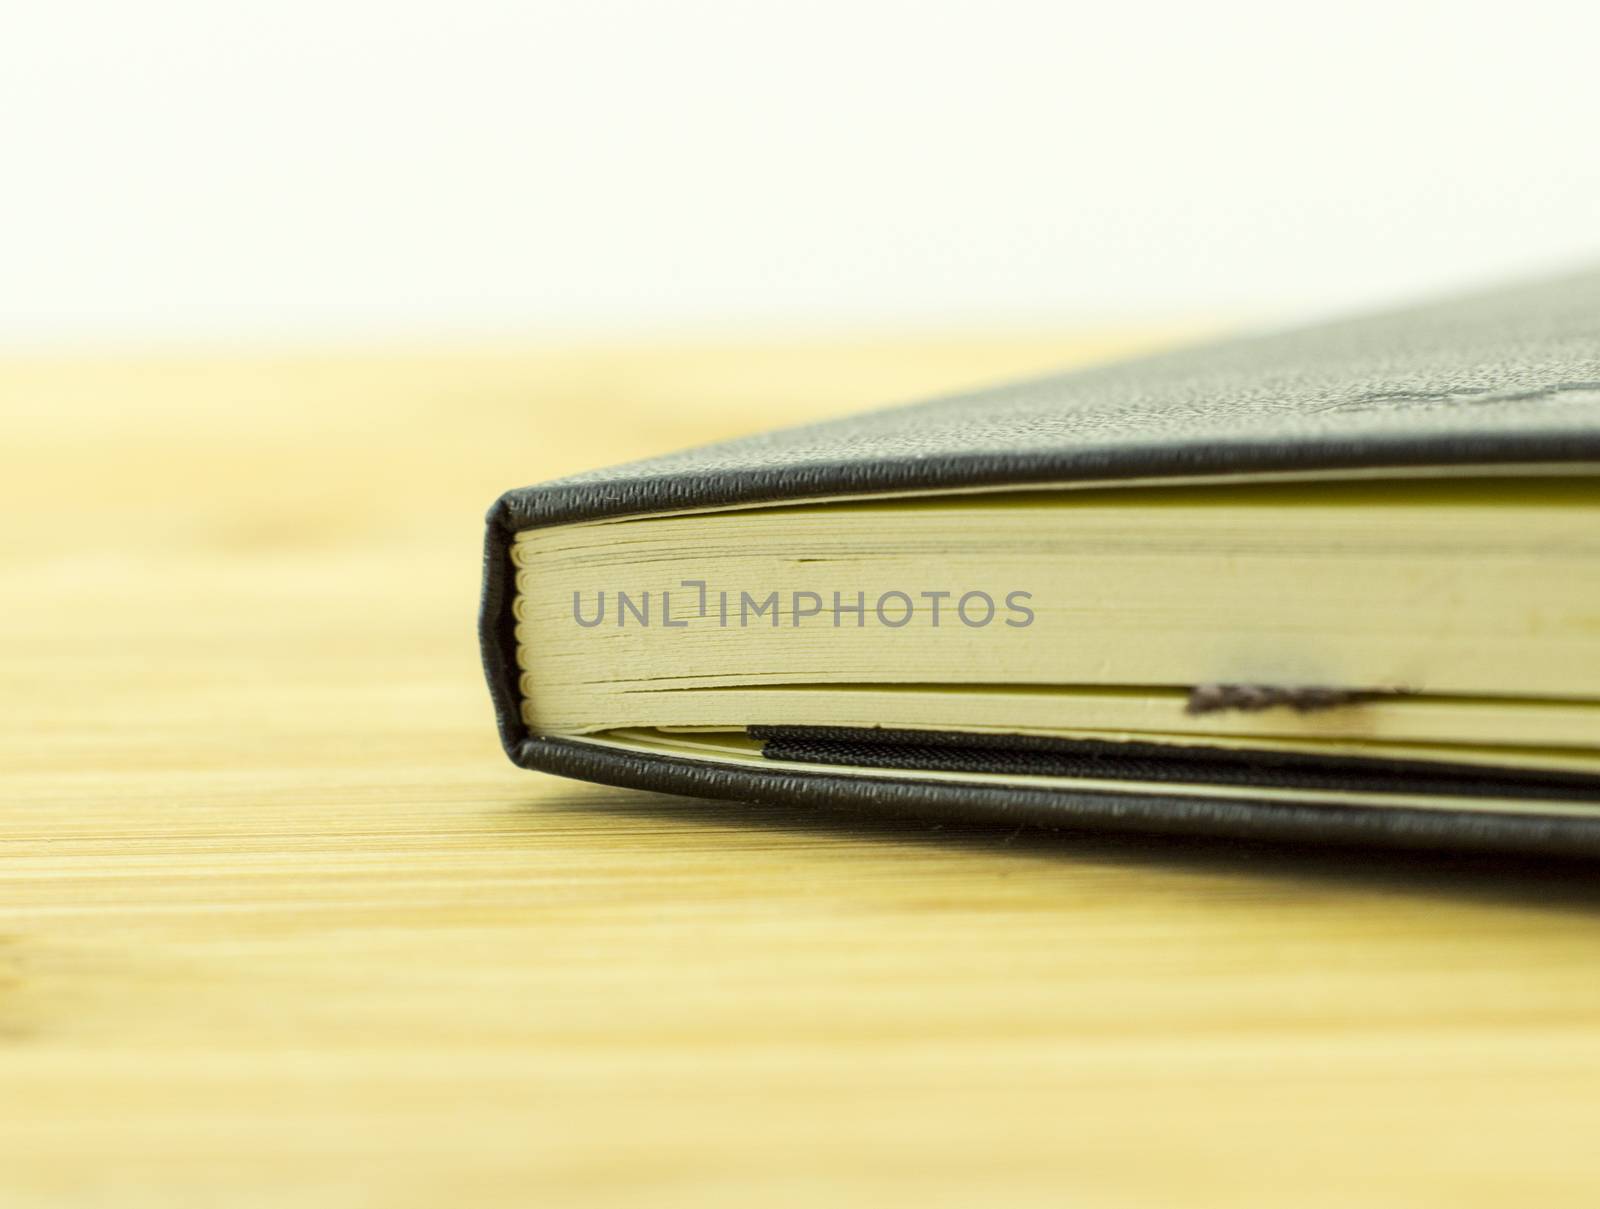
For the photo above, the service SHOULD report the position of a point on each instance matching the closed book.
(1336, 583)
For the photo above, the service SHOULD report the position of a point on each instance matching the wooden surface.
(280, 925)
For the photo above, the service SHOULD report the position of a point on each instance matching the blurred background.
(290, 292)
(178, 171)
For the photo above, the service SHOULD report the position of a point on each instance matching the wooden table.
(280, 925)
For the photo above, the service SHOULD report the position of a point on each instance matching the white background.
(202, 170)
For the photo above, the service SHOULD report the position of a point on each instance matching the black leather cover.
(1510, 377)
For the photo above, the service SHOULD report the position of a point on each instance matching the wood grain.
(279, 924)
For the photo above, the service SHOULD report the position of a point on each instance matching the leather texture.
(1509, 377)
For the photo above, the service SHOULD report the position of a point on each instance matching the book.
(1336, 583)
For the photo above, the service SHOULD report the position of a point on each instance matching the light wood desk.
(280, 925)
